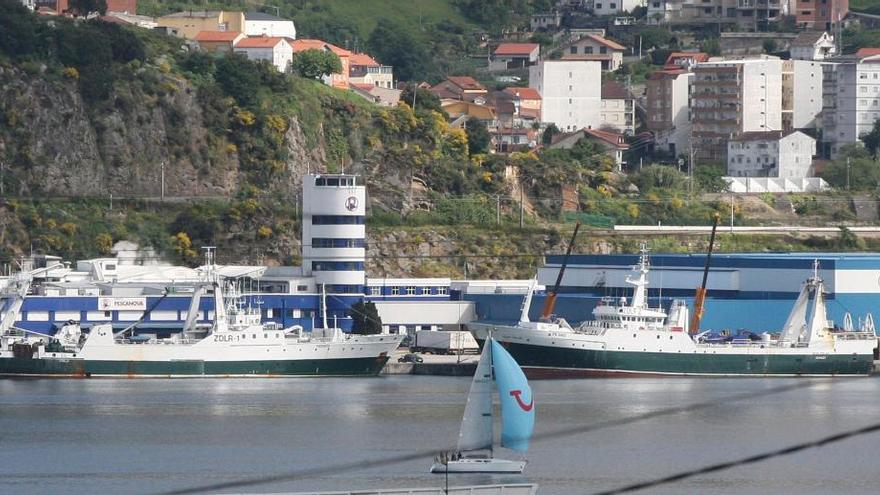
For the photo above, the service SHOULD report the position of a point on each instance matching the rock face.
(60, 146)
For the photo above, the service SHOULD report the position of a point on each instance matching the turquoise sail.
(517, 404)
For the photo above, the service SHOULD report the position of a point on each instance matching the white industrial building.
(262, 24)
(570, 92)
(851, 100)
(787, 155)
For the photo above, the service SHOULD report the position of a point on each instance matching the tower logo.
(351, 203)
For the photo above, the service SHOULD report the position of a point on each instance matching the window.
(426, 291)
(302, 288)
(375, 291)
(337, 220)
(573, 50)
(603, 49)
(410, 291)
(442, 291)
(337, 266)
(598, 6)
(395, 291)
(612, 5)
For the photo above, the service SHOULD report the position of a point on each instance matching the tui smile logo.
(522, 405)
(351, 203)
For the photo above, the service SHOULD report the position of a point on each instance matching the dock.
(436, 365)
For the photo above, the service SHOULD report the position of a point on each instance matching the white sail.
(476, 425)
(797, 319)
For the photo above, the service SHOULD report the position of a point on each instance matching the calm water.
(147, 436)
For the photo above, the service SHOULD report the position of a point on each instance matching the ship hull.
(363, 366)
(555, 362)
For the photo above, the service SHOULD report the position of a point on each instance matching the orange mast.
(700, 297)
(550, 302)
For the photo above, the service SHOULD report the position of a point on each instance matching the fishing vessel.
(475, 453)
(235, 344)
(628, 337)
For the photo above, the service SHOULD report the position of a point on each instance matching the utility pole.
(162, 191)
(847, 173)
(732, 201)
(522, 207)
(498, 209)
(2, 187)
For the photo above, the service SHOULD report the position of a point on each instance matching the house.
(190, 23)
(514, 56)
(819, 14)
(597, 48)
(570, 95)
(685, 60)
(336, 80)
(385, 97)
(612, 7)
(518, 139)
(464, 88)
(527, 102)
(612, 143)
(129, 19)
(668, 109)
(517, 109)
(617, 110)
(262, 24)
(363, 69)
(218, 41)
(783, 154)
(547, 21)
(460, 111)
(813, 45)
(276, 51)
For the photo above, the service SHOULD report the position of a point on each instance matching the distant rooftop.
(262, 16)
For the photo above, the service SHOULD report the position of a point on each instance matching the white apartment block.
(730, 97)
(851, 100)
(749, 15)
(801, 94)
(614, 7)
(786, 155)
(570, 92)
(261, 24)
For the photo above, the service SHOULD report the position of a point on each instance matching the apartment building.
(616, 110)
(668, 112)
(747, 14)
(570, 97)
(851, 99)
(801, 94)
(782, 154)
(731, 97)
(819, 14)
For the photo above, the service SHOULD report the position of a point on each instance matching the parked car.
(410, 358)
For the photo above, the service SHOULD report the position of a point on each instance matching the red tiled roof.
(466, 82)
(311, 44)
(665, 73)
(867, 52)
(218, 36)
(524, 93)
(516, 48)
(763, 135)
(362, 59)
(609, 137)
(613, 90)
(697, 56)
(363, 86)
(259, 42)
(610, 44)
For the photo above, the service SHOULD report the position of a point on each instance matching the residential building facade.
(819, 14)
(364, 69)
(276, 51)
(616, 109)
(801, 94)
(548, 21)
(570, 97)
(463, 88)
(731, 97)
(668, 112)
(592, 47)
(337, 79)
(813, 45)
(613, 7)
(218, 41)
(262, 24)
(851, 100)
(514, 56)
(786, 155)
(749, 15)
(190, 23)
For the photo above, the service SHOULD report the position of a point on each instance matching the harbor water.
(150, 436)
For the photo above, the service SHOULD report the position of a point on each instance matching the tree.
(85, 7)
(424, 99)
(549, 132)
(315, 64)
(365, 318)
(395, 45)
(872, 139)
(769, 45)
(855, 169)
(478, 136)
(236, 75)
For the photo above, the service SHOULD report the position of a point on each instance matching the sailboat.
(475, 453)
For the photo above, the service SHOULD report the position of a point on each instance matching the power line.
(398, 459)
(722, 466)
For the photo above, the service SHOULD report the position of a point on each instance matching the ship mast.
(700, 297)
(550, 302)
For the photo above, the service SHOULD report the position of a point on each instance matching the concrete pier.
(464, 365)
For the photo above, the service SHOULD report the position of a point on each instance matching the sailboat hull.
(565, 362)
(480, 466)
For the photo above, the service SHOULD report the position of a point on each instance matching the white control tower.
(333, 231)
